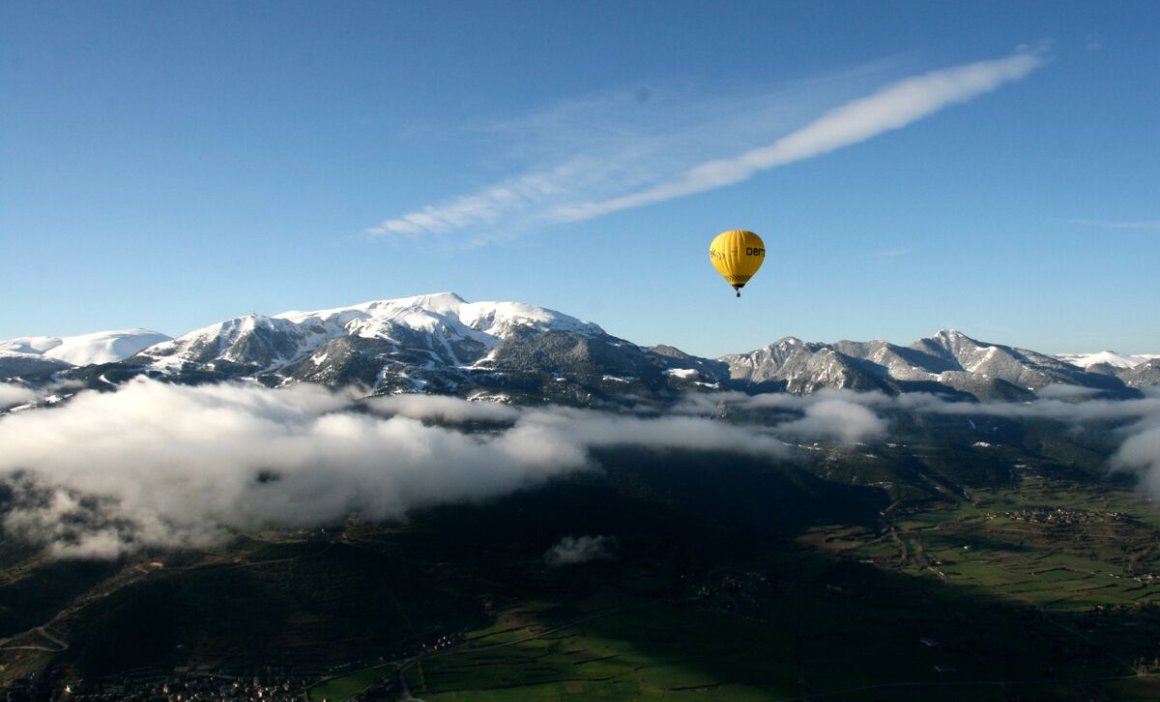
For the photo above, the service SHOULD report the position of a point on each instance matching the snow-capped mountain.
(443, 329)
(948, 360)
(431, 343)
(32, 354)
(453, 331)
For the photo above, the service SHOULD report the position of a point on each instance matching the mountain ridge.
(948, 359)
(441, 343)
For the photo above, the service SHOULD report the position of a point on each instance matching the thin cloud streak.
(604, 145)
(893, 253)
(482, 208)
(630, 159)
(1146, 225)
(891, 108)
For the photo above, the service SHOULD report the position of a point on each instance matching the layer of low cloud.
(829, 415)
(12, 395)
(158, 465)
(838, 420)
(1140, 454)
(619, 177)
(172, 466)
(445, 409)
(154, 465)
(859, 417)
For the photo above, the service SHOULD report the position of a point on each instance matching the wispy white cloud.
(603, 145)
(572, 550)
(488, 206)
(630, 148)
(893, 253)
(1144, 225)
(893, 107)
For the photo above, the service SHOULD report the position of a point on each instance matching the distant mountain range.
(37, 354)
(1111, 358)
(523, 353)
(948, 360)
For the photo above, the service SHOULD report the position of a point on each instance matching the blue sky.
(992, 167)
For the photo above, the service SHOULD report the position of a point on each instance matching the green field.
(347, 686)
(637, 651)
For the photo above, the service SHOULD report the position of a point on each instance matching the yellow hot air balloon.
(737, 254)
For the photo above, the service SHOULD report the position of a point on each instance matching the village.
(148, 686)
(1059, 516)
(212, 684)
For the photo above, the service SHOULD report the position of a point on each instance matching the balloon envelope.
(737, 254)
